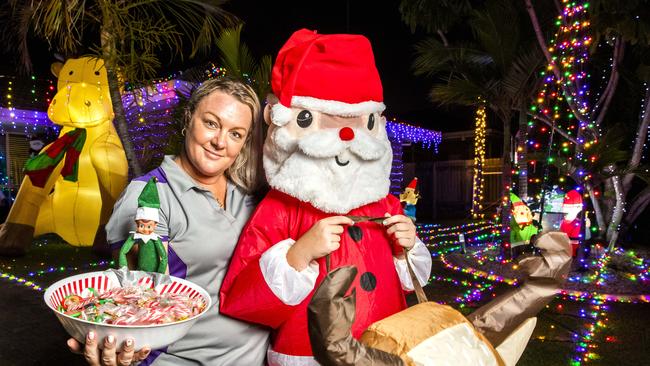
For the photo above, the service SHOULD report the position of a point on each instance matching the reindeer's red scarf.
(69, 145)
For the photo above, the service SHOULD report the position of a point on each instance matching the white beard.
(307, 168)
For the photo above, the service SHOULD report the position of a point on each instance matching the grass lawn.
(33, 336)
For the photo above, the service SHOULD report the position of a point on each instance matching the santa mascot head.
(327, 142)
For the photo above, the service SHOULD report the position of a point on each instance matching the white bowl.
(154, 336)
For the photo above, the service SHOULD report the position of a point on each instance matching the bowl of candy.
(154, 310)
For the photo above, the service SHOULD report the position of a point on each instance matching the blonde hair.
(245, 171)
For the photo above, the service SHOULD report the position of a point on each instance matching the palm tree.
(127, 34)
(498, 64)
(237, 58)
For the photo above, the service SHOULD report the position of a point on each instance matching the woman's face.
(216, 133)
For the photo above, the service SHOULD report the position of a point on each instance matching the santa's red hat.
(329, 73)
(413, 183)
(573, 199)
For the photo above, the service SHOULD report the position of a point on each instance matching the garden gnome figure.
(521, 225)
(152, 256)
(572, 224)
(410, 198)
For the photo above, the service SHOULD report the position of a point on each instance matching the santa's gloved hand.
(401, 229)
(322, 239)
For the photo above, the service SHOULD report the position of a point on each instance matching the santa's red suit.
(245, 293)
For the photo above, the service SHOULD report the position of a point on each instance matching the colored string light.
(479, 161)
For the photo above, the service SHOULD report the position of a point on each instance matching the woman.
(204, 203)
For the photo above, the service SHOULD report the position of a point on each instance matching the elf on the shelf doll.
(152, 256)
(572, 224)
(327, 158)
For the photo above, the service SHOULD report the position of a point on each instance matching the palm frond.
(457, 91)
(229, 46)
(262, 76)
(496, 27)
(433, 15)
(521, 76)
(432, 57)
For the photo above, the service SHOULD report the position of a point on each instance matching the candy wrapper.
(127, 277)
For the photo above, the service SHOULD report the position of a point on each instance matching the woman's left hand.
(402, 229)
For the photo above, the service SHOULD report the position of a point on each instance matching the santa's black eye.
(71, 72)
(371, 121)
(97, 73)
(304, 118)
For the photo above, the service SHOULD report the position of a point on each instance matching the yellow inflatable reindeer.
(71, 186)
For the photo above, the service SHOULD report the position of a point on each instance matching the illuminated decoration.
(20, 280)
(479, 160)
(400, 133)
(478, 273)
(46, 202)
(22, 102)
(404, 132)
(561, 106)
(585, 345)
(52, 269)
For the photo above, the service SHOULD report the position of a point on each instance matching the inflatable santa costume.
(326, 154)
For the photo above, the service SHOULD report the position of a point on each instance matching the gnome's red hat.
(573, 198)
(413, 183)
(329, 73)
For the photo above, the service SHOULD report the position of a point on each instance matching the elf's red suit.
(327, 154)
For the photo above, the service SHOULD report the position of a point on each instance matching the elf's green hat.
(516, 201)
(148, 202)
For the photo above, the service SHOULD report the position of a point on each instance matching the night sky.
(268, 24)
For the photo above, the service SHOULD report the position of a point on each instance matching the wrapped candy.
(132, 305)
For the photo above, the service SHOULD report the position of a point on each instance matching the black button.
(368, 281)
(355, 233)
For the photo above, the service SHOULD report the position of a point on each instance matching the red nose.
(346, 134)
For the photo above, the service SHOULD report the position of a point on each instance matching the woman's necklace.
(219, 202)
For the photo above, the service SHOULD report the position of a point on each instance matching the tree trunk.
(108, 43)
(639, 204)
(639, 143)
(120, 123)
(617, 215)
(522, 159)
(567, 90)
(506, 183)
(600, 219)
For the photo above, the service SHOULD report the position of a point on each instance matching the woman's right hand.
(320, 240)
(109, 356)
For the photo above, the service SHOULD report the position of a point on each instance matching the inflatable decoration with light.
(70, 187)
